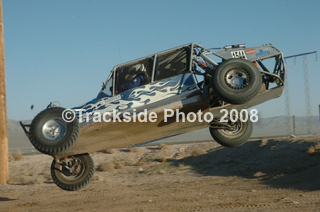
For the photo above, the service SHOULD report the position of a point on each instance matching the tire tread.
(52, 150)
(73, 187)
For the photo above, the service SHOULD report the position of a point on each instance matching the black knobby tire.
(72, 179)
(236, 81)
(233, 137)
(50, 134)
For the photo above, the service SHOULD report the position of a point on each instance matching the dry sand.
(275, 174)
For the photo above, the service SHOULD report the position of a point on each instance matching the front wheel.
(50, 134)
(73, 172)
(238, 134)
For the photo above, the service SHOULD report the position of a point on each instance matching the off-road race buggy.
(186, 78)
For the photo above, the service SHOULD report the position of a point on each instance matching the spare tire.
(236, 81)
(50, 134)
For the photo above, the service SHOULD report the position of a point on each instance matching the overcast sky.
(63, 50)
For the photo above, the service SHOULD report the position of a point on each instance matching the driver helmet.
(135, 71)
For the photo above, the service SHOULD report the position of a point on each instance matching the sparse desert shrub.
(141, 163)
(10, 157)
(314, 150)
(134, 149)
(198, 152)
(163, 147)
(16, 156)
(106, 167)
(163, 160)
(181, 165)
(259, 174)
(161, 171)
(97, 178)
(118, 165)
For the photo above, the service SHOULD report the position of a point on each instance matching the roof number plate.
(239, 54)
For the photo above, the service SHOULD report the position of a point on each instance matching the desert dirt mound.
(266, 174)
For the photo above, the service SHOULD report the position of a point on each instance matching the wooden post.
(4, 165)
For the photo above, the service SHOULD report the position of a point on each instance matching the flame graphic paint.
(139, 96)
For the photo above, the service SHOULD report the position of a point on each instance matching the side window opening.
(133, 75)
(106, 90)
(172, 64)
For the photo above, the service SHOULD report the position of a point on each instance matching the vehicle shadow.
(3, 199)
(278, 163)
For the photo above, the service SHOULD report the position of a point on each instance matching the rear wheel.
(236, 81)
(236, 135)
(73, 172)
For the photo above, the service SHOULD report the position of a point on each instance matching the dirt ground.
(269, 174)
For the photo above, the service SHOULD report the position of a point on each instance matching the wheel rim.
(236, 128)
(53, 129)
(72, 168)
(237, 78)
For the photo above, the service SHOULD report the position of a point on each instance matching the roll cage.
(190, 58)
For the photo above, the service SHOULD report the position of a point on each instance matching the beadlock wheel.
(236, 81)
(50, 134)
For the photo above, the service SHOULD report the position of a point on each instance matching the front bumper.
(24, 126)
